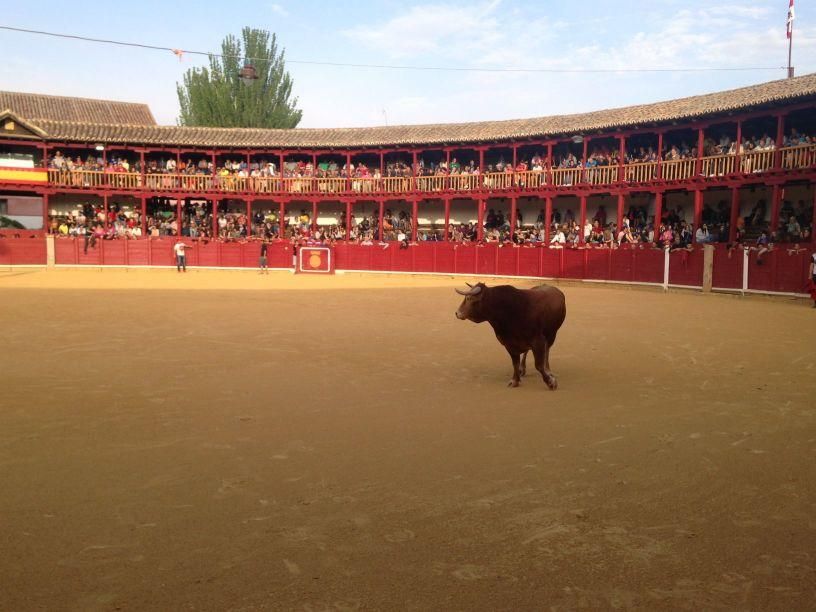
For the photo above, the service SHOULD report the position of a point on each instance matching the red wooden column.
(281, 161)
(481, 161)
(314, 215)
(515, 156)
(813, 223)
(584, 174)
(513, 216)
(776, 201)
(621, 158)
(447, 219)
(619, 217)
(142, 169)
(660, 155)
(737, 155)
(105, 209)
(144, 217)
(735, 206)
(479, 219)
(413, 170)
(698, 166)
(549, 163)
(382, 164)
(281, 220)
(45, 225)
(780, 139)
(698, 211)
(45, 157)
(348, 221)
(658, 215)
(414, 218)
(380, 224)
(581, 239)
(178, 217)
(547, 217)
(215, 219)
(249, 217)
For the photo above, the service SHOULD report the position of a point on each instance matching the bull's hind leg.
(541, 351)
(523, 368)
(514, 382)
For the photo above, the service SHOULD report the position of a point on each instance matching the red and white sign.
(315, 260)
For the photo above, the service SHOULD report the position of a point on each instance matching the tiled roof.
(39, 107)
(684, 109)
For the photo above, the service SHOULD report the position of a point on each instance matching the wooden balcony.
(753, 162)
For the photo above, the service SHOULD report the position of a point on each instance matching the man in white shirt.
(181, 256)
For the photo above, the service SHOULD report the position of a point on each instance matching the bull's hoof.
(552, 383)
(513, 383)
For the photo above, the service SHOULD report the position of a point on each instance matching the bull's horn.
(473, 290)
(469, 285)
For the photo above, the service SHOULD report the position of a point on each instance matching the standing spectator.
(813, 278)
(263, 259)
(181, 256)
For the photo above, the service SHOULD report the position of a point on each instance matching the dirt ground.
(230, 441)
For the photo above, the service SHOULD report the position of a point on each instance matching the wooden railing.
(801, 156)
(757, 161)
(790, 158)
(718, 165)
(562, 177)
(601, 175)
(677, 169)
(640, 172)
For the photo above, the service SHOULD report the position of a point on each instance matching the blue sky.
(476, 34)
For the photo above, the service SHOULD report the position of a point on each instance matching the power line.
(396, 67)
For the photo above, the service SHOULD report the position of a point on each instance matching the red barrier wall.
(781, 271)
(22, 248)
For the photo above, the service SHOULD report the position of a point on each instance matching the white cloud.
(279, 10)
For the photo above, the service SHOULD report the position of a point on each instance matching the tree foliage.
(216, 96)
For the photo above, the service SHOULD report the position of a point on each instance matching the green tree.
(217, 96)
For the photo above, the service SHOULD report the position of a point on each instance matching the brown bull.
(523, 319)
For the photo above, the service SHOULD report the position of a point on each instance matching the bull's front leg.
(523, 367)
(514, 382)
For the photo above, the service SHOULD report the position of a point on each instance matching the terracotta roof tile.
(696, 107)
(38, 107)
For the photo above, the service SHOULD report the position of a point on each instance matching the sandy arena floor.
(223, 440)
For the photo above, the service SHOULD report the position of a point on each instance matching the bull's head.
(471, 306)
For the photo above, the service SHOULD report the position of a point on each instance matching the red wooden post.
(813, 223)
(698, 211)
(515, 156)
(382, 164)
(215, 219)
(314, 215)
(281, 220)
(414, 219)
(104, 177)
(45, 225)
(105, 209)
(447, 219)
(660, 155)
(178, 217)
(481, 161)
(380, 224)
(348, 171)
(584, 174)
(547, 218)
(622, 159)
(413, 170)
(619, 216)
(658, 217)
(698, 166)
(776, 201)
(780, 140)
(281, 163)
(249, 217)
(513, 216)
(142, 168)
(45, 157)
(549, 168)
(348, 221)
(479, 220)
(735, 210)
(581, 238)
(737, 154)
(144, 217)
